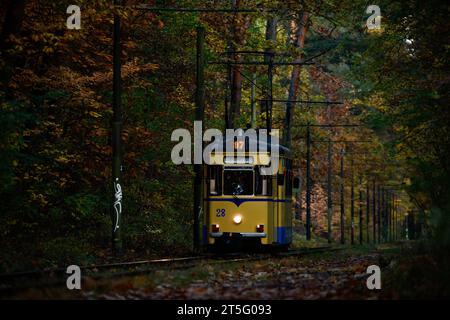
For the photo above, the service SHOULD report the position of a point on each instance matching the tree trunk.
(302, 28)
(238, 29)
(12, 25)
(236, 89)
(271, 35)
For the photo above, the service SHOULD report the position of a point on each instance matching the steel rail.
(147, 266)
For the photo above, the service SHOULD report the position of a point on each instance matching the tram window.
(238, 182)
(215, 180)
(263, 183)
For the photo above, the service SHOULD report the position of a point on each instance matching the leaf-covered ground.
(333, 275)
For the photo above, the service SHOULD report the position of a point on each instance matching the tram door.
(278, 204)
(273, 207)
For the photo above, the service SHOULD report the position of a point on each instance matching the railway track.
(12, 282)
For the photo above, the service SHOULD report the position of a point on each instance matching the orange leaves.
(85, 84)
(51, 128)
(99, 132)
(138, 140)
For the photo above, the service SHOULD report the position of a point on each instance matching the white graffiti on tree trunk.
(118, 202)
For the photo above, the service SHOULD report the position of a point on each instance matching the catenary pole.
(199, 111)
(117, 151)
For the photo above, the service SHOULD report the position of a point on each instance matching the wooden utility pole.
(308, 183)
(388, 213)
(360, 211)
(388, 216)
(394, 208)
(271, 35)
(117, 151)
(236, 70)
(330, 191)
(342, 198)
(227, 107)
(379, 212)
(383, 215)
(199, 111)
(14, 13)
(352, 202)
(374, 220)
(252, 102)
(269, 104)
(329, 181)
(394, 218)
(391, 212)
(300, 34)
(367, 211)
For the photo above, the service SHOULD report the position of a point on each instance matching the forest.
(364, 110)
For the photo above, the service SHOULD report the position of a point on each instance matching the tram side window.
(215, 180)
(263, 183)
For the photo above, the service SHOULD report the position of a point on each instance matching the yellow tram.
(243, 206)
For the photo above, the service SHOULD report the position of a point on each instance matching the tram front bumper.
(239, 234)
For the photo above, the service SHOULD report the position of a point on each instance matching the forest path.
(331, 275)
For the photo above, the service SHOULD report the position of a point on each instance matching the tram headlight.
(237, 219)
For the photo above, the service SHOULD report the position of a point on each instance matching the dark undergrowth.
(420, 271)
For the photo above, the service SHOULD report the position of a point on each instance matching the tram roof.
(263, 144)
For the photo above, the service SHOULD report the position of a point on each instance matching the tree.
(12, 24)
(300, 34)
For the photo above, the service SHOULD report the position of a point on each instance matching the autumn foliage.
(55, 116)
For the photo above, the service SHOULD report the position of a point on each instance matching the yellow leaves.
(38, 197)
(84, 83)
(62, 182)
(52, 128)
(94, 114)
(35, 37)
(18, 48)
(99, 132)
(375, 31)
(48, 50)
(62, 159)
(377, 101)
(157, 200)
(407, 182)
(31, 132)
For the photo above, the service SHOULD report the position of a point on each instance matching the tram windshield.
(238, 182)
